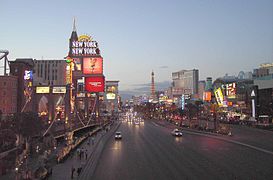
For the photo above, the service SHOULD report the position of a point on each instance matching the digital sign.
(219, 96)
(77, 66)
(92, 65)
(111, 89)
(42, 90)
(94, 84)
(231, 90)
(183, 102)
(207, 96)
(28, 75)
(110, 96)
(59, 90)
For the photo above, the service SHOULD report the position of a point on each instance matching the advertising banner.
(42, 90)
(207, 96)
(94, 84)
(92, 65)
(59, 90)
(110, 96)
(219, 96)
(231, 90)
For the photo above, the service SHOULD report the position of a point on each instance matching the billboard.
(219, 96)
(28, 75)
(111, 88)
(59, 90)
(94, 84)
(231, 90)
(77, 64)
(183, 102)
(42, 90)
(207, 96)
(92, 65)
(110, 96)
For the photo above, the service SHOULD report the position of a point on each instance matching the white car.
(176, 132)
(118, 135)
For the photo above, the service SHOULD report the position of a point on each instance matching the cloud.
(164, 67)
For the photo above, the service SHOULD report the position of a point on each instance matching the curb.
(92, 162)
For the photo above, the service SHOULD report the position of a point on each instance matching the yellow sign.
(42, 90)
(85, 38)
(219, 96)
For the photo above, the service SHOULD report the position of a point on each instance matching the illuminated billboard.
(231, 90)
(42, 90)
(111, 89)
(77, 66)
(94, 84)
(207, 96)
(92, 65)
(59, 90)
(28, 75)
(219, 96)
(110, 96)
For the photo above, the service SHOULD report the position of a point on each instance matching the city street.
(148, 151)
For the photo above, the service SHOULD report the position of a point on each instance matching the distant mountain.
(143, 89)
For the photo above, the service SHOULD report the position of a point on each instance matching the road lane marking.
(155, 124)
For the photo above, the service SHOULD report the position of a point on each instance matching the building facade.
(187, 80)
(111, 97)
(201, 89)
(8, 94)
(23, 69)
(49, 72)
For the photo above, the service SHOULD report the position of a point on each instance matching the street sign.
(252, 93)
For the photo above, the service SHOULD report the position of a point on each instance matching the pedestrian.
(79, 171)
(86, 156)
(72, 172)
(92, 140)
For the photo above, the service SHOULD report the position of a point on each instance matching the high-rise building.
(49, 72)
(201, 89)
(187, 80)
(208, 84)
(264, 72)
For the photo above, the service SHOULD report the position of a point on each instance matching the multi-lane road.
(148, 151)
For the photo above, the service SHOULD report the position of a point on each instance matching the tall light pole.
(69, 61)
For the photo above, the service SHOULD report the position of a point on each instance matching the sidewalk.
(63, 171)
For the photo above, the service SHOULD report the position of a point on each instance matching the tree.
(27, 124)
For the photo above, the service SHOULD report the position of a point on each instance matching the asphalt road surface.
(148, 151)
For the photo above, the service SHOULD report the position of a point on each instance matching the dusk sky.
(138, 36)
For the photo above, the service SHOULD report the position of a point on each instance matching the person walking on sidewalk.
(72, 172)
(93, 139)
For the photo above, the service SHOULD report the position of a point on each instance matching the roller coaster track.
(4, 55)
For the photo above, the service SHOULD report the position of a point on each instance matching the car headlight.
(176, 133)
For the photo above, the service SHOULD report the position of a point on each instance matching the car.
(118, 135)
(176, 132)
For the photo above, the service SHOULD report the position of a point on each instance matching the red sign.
(92, 65)
(94, 84)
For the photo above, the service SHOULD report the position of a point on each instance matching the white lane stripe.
(231, 141)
